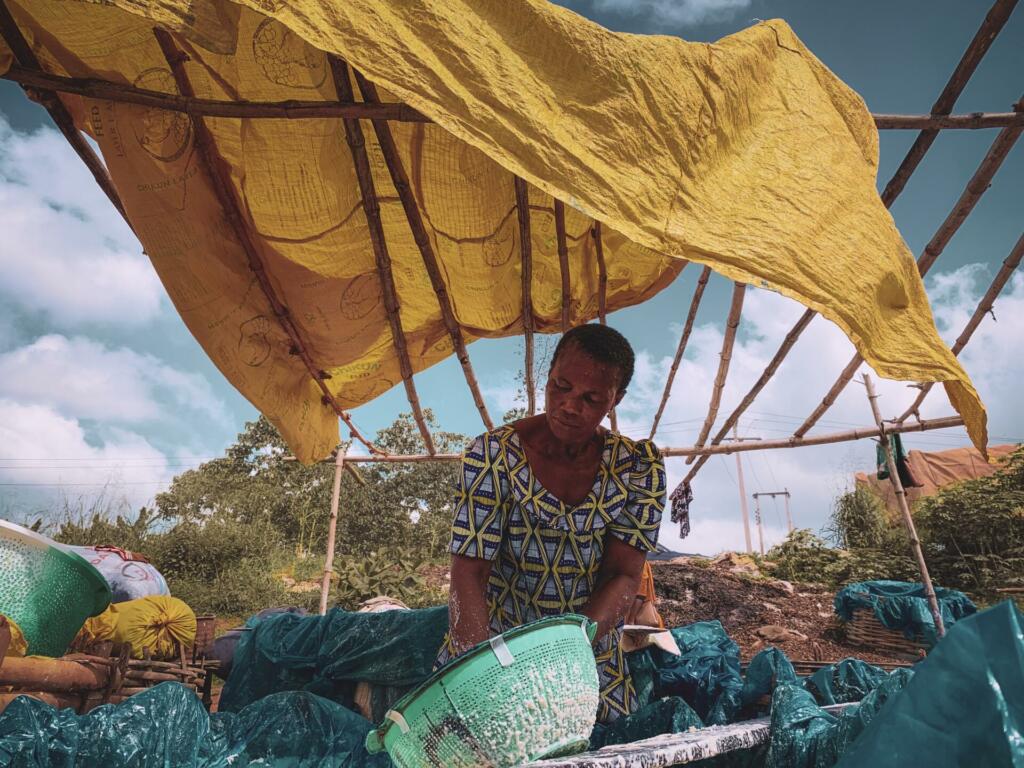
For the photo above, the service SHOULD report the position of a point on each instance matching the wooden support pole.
(747, 444)
(93, 88)
(56, 675)
(745, 514)
(976, 187)
(216, 169)
(990, 27)
(385, 274)
(400, 178)
(755, 390)
(760, 522)
(728, 340)
(28, 62)
(602, 295)
(563, 262)
(984, 307)
(789, 516)
(332, 528)
(972, 121)
(526, 253)
(901, 499)
(691, 317)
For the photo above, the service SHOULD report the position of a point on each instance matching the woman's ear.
(618, 397)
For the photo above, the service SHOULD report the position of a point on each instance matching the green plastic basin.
(46, 589)
(528, 694)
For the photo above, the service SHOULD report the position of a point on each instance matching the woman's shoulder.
(643, 451)
(488, 444)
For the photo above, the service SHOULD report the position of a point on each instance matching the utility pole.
(757, 512)
(743, 492)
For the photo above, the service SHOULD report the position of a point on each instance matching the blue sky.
(101, 384)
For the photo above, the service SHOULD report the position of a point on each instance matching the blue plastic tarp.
(902, 606)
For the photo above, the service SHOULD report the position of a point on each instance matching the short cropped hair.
(603, 344)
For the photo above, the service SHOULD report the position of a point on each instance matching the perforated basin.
(46, 589)
(530, 693)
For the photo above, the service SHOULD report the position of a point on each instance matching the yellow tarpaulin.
(747, 155)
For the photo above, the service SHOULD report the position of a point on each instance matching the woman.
(555, 514)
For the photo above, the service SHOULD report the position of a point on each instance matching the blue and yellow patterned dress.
(547, 554)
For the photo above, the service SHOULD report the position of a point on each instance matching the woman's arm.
(467, 603)
(617, 584)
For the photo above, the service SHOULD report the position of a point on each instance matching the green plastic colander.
(528, 694)
(47, 590)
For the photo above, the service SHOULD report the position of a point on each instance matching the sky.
(105, 396)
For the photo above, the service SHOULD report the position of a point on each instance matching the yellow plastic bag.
(17, 646)
(157, 623)
(98, 628)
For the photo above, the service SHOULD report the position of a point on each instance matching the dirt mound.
(753, 607)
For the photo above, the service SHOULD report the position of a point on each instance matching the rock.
(773, 633)
(782, 586)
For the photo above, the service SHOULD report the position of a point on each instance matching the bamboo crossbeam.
(563, 261)
(215, 167)
(748, 444)
(684, 339)
(400, 179)
(976, 187)
(755, 390)
(526, 253)
(732, 322)
(385, 273)
(296, 109)
(290, 110)
(972, 121)
(29, 63)
(602, 295)
(984, 307)
(990, 27)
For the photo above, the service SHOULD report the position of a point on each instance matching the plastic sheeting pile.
(902, 606)
(962, 706)
(747, 155)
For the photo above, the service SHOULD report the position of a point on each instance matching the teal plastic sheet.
(669, 715)
(963, 707)
(766, 670)
(902, 606)
(706, 674)
(327, 654)
(849, 680)
(167, 726)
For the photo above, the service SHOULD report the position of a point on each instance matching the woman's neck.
(537, 433)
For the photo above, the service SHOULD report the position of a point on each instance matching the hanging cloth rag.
(903, 470)
(681, 499)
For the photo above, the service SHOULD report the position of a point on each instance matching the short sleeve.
(640, 520)
(479, 509)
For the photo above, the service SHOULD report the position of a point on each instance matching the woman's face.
(579, 393)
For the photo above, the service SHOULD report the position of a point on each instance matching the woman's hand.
(617, 584)
(467, 602)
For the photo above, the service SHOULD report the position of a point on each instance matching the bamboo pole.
(371, 209)
(400, 179)
(684, 339)
(984, 307)
(602, 295)
(28, 62)
(976, 187)
(971, 121)
(747, 444)
(216, 169)
(728, 340)
(93, 88)
(743, 495)
(563, 261)
(990, 27)
(294, 109)
(56, 675)
(526, 252)
(901, 499)
(332, 527)
(760, 384)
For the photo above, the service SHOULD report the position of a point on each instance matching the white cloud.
(815, 475)
(83, 379)
(687, 12)
(65, 251)
(45, 457)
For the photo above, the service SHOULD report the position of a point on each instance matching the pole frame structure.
(901, 499)
(785, 495)
(760, 523)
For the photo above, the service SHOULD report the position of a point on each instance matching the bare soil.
(735, 593)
